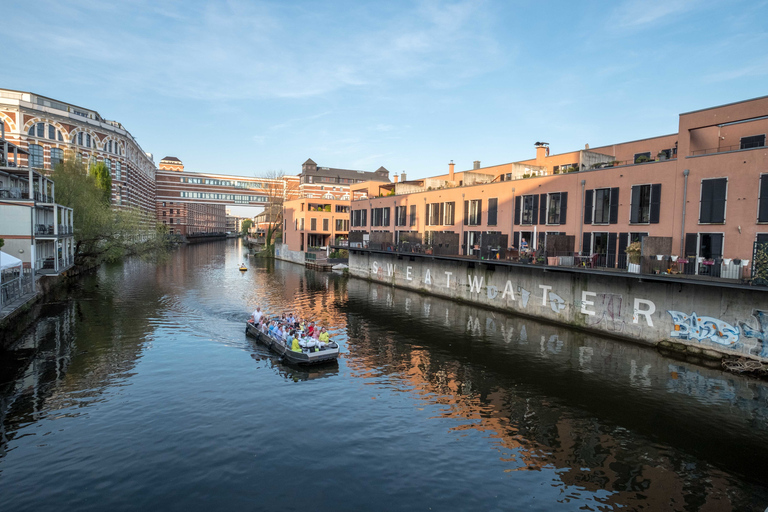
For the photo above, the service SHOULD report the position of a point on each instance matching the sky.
(249, 87)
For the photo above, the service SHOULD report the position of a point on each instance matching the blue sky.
(246, 87)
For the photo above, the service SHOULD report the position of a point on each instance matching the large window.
(413, 215)
(602, 206)
(754, 141)
(645, 204)
(557, 205)
(380, 217)
(529, 209)
(713, 198)
(359, 218)
(493, 209)
(401, 214)
(342, 225)
(762, 209)
(313, 224)
(57, 157)
(448, 213)
(118, 171)
(36, 156)
(51, 132)
(433, 214)
(41, 130)
(325, 224)
(473, 212)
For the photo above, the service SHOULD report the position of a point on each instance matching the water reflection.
(432, 404)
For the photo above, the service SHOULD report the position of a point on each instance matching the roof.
(310, 161)
(170, 159)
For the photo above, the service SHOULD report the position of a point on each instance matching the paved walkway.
(15, 304)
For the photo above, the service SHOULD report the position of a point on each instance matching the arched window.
(41, 130)
(51, 132)
(57, 156)
(328, 196)
(31, 130)
(79, 138)
(61, 139)
(110, 147)
(87, 140)
(36, 156)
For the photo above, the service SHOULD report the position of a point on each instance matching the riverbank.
(704, 320)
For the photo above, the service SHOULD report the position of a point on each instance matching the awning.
(8, 261)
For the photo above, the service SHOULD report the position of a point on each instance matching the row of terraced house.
(698, 197)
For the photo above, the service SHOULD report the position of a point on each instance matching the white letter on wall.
(545, 289)
(408, 273)
(508, 290)
(375, 267)
(448, 280)
(428, 278)
(651, 309)
(585, 302)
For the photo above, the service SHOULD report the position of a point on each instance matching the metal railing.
(15, 287)
(725, 149)
(14, 193)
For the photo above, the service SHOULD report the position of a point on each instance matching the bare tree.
(279, 188)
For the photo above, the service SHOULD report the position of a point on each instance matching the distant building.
(46, 128)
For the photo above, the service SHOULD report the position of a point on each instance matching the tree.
(245, 226)
(2, 243)
(102, 233)
(279, 188)
(100, 172)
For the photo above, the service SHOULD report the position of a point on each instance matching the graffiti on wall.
(699, 327)
(760, 332)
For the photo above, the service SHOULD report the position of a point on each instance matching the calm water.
(142, 392)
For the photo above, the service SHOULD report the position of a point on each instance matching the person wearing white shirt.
(257, 315)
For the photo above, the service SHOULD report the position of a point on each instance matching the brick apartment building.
(705, 186)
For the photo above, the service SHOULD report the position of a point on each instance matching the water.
(142, 392)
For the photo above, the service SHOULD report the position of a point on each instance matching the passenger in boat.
(257, 315)
(295, 347)
(316, 332)
(324, 337)
(310, 328)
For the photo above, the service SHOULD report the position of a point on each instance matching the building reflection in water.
(600, 415)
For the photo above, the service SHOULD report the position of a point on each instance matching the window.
(762, 209)
(754, 141)
(380, 217)
(88, 140)
(413, 215)
(36, 156)
(642, 157)
(171, 221)
(713, 198)
(51, 132)
(79, 138)
(58, 134)
(57, 156)
(433, 214)
(313, 224)
(359, 218)
(325, 224)
(645, 204)
(473, 212)
(118, 171)
(41, 130)
(529, 209)
(342, 225)
(448, 213)
(557, 205)
(602, 206)
(493, 209)
(31, 131)
(164, 213)
(400, 215)
(108, 163)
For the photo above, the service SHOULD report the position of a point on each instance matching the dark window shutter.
(585, 243)
(535, 213)
(493, 208)
(705, 214)
(466, 216)
(543, 208)
(563, 207)
(611, 259)
(718, 200)
(365, 218)
(762, 238)
(614, 206)
(516, 240)
(717, 245)
(518, 206)
(655, 202)
(540, 244)
(588, 207)
(623, 243)
(479, 212)
(691, 241)
(634, 206)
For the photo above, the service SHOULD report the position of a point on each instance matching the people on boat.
(295, 347)
(324, 337)
(257, 314)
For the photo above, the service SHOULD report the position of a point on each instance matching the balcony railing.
(42, 198)
(49, 265)
(15, 286)
(725, 149)
(14, 193)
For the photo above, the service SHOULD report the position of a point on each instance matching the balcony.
(14, 193)
(53, 266)
(727, 149)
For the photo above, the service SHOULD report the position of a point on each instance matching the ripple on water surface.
(141, 390)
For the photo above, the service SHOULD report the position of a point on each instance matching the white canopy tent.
(8, 261)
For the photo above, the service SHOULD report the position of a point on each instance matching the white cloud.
(634, 14)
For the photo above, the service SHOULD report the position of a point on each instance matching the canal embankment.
(705, 319)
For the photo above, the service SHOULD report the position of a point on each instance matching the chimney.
(476, 164)
(450, 171)
(395, 178)
(402, 176)
(542, 150)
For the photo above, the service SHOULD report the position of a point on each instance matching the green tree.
(245, 226)
(102, 233)
(103, 178)
(2, 243)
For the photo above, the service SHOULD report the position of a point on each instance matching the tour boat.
(326, 355)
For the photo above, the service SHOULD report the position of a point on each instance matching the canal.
(141, 391)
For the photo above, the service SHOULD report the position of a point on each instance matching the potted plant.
(633, 253)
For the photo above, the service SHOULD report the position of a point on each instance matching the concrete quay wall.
(709, 318)
(283, 253)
